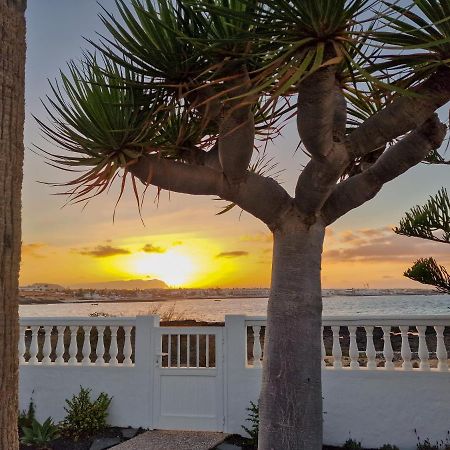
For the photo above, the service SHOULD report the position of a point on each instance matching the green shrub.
(40, 434)
(84, 416)
(389, 447)
(25, 418)
(351, 444)
(253, 418)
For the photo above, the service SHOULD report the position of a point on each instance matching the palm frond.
(428, 271)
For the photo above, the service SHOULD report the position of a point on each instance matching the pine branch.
(427, 271)
(429, 220)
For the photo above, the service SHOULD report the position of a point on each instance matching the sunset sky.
(184, 242)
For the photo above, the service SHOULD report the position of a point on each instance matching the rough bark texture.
(12, 74)
(291, 401)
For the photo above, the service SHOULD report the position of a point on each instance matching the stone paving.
(173, 440)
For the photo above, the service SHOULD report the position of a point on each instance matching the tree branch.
(321, 174)
(315, 111)
(176, 176)
(405, 113)
(237, 132)
(397, 159)
(260, 196)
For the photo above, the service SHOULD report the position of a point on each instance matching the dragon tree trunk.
(291, 399)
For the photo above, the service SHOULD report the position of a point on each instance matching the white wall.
(375, 407)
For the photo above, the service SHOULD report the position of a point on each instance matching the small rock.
(104, 443)
(227, 446)
(128, 433)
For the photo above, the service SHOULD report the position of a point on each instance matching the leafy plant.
(26, 417)
(389, 447)
(351, 444)
(84, 416)
(40, 434)
(253, 418)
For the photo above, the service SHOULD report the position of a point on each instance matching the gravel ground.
(170, 440)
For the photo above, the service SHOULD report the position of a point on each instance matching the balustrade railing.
(381, 343)
(77, 341)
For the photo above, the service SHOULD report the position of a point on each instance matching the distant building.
(42, 287)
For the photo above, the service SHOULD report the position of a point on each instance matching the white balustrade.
(388, 353)
(47, 345)
(394, 358)
(41, 347)
(86, 346)
(34, 349)
(128, 349)
(336, 351)
(370, 349)
(441, 351)
(113, 347)
(353, 351)
(423, 349)
(22, 347)
(191, 347)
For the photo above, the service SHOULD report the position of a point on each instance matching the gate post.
(145, 357)
(234, 365)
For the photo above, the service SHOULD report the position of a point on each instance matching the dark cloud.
(150, 248)
(234, 254)
(102, 251)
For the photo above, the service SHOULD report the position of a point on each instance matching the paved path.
(173, 440)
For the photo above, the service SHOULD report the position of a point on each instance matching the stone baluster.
(388, 353)
(188, 351)
(113, 348)
(441, 351)
(22, 345)
(178, 350)
(370, 349)
(324, 353)
(86, 346)
(47, 349)
(406, 349)
(257, 351)
(100, 349)
(336, 351)
(60, 345)
(34, 346)
(423, 353)
(353, 351)
(128, 350)
(73, 346)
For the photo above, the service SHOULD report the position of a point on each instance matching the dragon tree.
(183, 95)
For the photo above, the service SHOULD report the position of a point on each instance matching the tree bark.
(12, 77)
(291, 399)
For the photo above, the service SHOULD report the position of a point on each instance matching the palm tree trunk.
(291, 399)
(12, 75)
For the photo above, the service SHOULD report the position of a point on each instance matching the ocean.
(214, 310)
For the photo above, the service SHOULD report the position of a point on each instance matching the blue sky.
(55, 35)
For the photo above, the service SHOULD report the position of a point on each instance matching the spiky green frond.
(104, 121)
(430, 221)
(417, 41)
(428, 271)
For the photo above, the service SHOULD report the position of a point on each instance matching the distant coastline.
(56, 294)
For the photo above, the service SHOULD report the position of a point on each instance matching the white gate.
(188, 379)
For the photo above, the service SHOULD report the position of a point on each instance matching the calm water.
(216, 309)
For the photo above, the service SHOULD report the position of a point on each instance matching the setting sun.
(172, 267)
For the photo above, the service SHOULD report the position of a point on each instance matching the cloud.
(233, 254)
(32, 249)
(150, 248)
(103, 251)
(383, 245)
